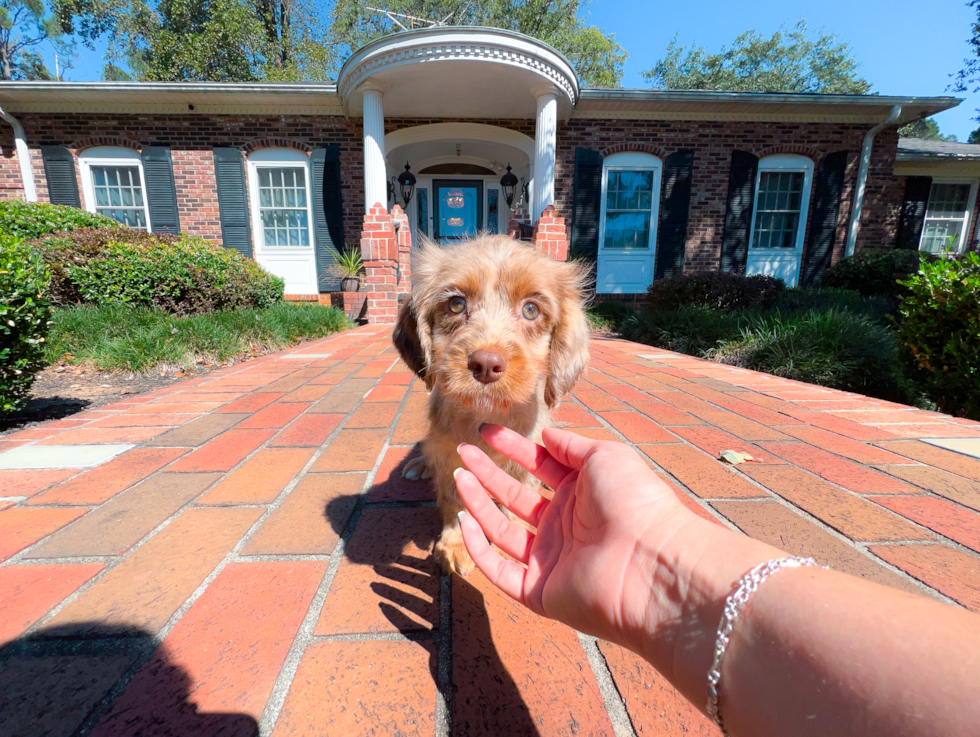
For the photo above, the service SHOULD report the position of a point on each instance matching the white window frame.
(277, 158)
(784, 163)
(111, 156)
(632, 161)
(971, 202)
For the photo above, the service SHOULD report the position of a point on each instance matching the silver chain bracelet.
(747, 585)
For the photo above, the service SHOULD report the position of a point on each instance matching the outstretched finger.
(522, 501)
(530, 455)
(506, 575)
(568, 448)
(512, 539)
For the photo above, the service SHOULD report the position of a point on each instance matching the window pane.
(282, 206)
(629, 204)
(118, 194)
(945, 217)
(777, 214)
(492, 207)
(422, 203)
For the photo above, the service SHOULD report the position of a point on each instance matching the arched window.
(628, 222)
(782, 198)
(112, 179)
(279, 184)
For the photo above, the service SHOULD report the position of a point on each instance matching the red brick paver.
(263, 528)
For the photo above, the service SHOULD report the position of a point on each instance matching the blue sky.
(905, 47)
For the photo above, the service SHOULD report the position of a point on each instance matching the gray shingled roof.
(918, 148)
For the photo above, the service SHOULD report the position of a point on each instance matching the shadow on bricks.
(53, 681)
(487, 701)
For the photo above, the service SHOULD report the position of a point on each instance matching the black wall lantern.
(406, 185)
(509, 182)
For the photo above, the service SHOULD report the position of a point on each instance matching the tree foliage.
(24, 26)
(968, 78)
(789, 61)
(926, 129)
(209, 40)
(597, 58)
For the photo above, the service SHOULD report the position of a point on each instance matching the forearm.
(814, 651)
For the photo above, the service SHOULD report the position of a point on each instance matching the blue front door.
(459, 208)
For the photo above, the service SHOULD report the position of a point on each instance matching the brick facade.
(191, 137)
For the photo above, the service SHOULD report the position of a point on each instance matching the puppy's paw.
(417, 469)
(450, 552)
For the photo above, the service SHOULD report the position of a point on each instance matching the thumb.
(568, 448)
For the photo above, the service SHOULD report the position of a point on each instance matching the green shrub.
(119, 337)
(874, 273)
(940, 333)
(828, 298)
(34, 219)
(691, 330)
(24, 317)
(833, 348)
(717, 289)
(177, 274)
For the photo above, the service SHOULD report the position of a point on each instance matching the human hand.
(600, 544)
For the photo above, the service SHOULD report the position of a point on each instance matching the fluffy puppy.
(497, 331)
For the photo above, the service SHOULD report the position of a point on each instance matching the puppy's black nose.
(487, 366)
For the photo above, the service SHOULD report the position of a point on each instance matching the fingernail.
(459, 515)
(456, 473)
(480, 428)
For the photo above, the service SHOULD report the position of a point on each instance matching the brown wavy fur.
(497, 276)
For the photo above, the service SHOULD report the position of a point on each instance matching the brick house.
(644, 183)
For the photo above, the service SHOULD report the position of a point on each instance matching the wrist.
(694, 571)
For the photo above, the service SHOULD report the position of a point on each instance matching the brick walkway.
(250, 555)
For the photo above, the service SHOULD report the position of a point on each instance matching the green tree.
(24, 26)
(789, 61)
(926, 129)
(210, 40)
(597, 58)
(974, 137)
(968, 78)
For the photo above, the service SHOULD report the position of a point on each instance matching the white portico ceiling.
(458, 72)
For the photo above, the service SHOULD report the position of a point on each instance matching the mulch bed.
(61, 391)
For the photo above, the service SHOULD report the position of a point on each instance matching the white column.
(375, 171)
(545, 136)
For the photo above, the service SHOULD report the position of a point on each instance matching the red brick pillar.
(403, 276)
(379, 250)
(549, 234)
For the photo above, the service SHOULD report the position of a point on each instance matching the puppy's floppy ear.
(569, 337)
(413, 341)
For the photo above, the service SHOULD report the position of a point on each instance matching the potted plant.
(350, 266)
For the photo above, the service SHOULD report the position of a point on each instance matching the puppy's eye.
(530, 311)
(457, 305)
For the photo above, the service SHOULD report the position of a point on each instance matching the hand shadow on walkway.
(484, 696)
(52, 681)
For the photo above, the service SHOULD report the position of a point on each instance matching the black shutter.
(161, 194)
(674, 207)
(328, 215)
(913, 212)
(229, 176)
(586, 201)
(738, 215)
(59, 170)
(823, 224)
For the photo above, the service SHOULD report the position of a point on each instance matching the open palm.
(592, 560)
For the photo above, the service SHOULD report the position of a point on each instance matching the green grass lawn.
(117, 337)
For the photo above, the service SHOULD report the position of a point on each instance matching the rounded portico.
(459, 74)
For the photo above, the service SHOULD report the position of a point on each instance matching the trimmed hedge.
(874, 273)
(35, 219)
(940, 333)
(177, 274)
(24, 318)
(716, 289)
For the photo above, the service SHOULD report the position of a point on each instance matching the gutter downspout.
(23, 156)
(862, 180)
